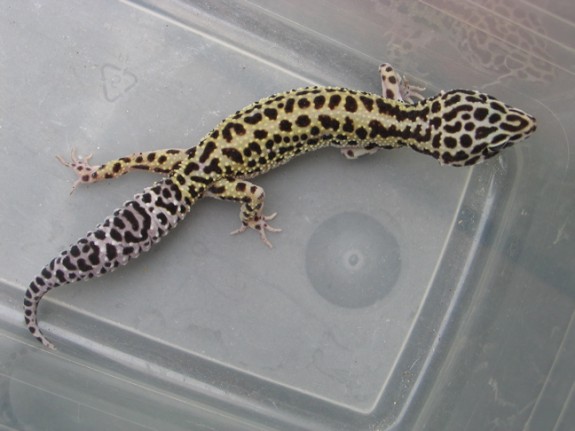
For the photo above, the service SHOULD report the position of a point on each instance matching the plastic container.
(400, 295)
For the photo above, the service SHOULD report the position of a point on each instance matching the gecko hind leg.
(160, 161)
(252, 204)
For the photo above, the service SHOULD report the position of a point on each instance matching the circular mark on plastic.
(352, 260)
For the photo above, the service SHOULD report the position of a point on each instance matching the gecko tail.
(128, 232)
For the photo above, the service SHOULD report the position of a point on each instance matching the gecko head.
(470, 127)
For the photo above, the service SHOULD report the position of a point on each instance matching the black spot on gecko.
(289, 105)
(482, 132)
(68, 264)
(285, 126)
(191, 167)
(111, 252)
(451, 114)
(472, 161)
(436, 142)
(260, 134)
(162, 219)
(217, 190)
(151, 157)
(497, 107)
(131, 218)
(328, 122)
(480, 114)
(166, 193)
(254, 119)
(377, 129)
(367, 102)
(200, 180)
(285, 149)
(334, 101)
(238, 128)
(115, 235)
(83, 266)
(453, 128)
(117, 167)
(465, 141)
(303, 121)
(34, 288)
(452, 100)
(271, 113)
(129, 237)
(318, 102)
(208, 150)
(233, 154)
(498, 138)
(450, 142)
(146, 198)
(303, 103)
(350, 104)
(361, 133)
(460, 156)
(512, 118)
(435, 122)
(494, 118)
(61, 276)
(74, 252)
(179, 178)
(255, 147)
(213, 167)
(348, 125)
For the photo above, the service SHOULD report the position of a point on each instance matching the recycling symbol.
(117, 82)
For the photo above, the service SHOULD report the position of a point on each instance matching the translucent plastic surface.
(400, 294)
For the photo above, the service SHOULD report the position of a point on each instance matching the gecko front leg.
(394, 87)
(252, 204)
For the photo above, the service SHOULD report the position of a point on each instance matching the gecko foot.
(409, 92)
(261, 225)
(80, 166)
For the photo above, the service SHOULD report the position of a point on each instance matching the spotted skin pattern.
(458, 128)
